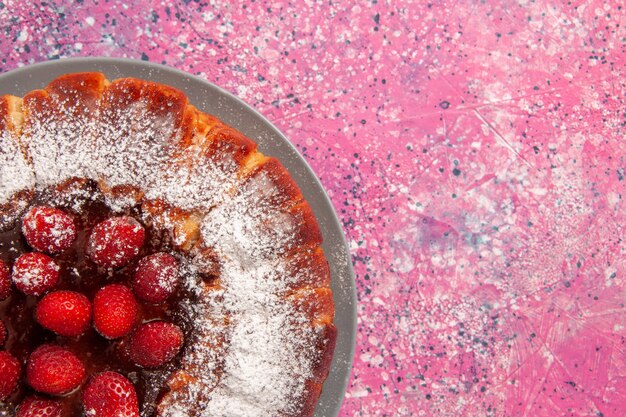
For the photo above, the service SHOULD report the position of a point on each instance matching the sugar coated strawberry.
(114, 311)
(110, 394)
(54, 370)
(10, 371)
(114, 242)
(156, 277)
(35, 273)
(48, 229)
(5, 281)
(35, 406)
(67, 313)
(155, 343)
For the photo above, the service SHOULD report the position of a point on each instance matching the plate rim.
(344, 365)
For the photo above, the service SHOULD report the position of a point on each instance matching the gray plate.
(211, 99)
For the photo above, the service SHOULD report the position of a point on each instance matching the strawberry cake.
(152, 261)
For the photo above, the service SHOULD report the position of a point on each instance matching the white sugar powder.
(15, 174)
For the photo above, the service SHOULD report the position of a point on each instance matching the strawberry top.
(114, 311)
(48, 229)
(156, 277)
(54, 370)
(35, 273)
(10, 369)
(68, 314)
(115, 242)
(110, 394)
(35, 406)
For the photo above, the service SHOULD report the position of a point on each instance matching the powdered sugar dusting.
(57, 143)
(247, 228)
(187, 181)
(132, 145)
(15, 173)
(35, 272)
(267, 364)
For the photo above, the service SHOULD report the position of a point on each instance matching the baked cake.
(153, 261)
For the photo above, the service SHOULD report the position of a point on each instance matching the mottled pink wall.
(475, 153)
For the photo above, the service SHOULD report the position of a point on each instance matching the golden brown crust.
(184, 224)
(308, 231)
(121, 93)
(57, 118)
(312, 392)
(326, 340)
(72, 96)
(36, 101)
(284, 190)
(309, 266)
(76, 97)
(223, 140)
(316, 303)
(78, 93)
(160, 101)
(11, 121)
(325, 349)
(10, 115)
(5, 113)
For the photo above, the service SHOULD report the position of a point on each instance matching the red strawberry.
(155, 343)
(67, 313)
(11, 371)
(3, 333)
(156, 277)
(48, 229)
(54, 370)
(5, 281)
(110, 394)
(114, 311)
(35, 406)
(35, 273)
(115, 242)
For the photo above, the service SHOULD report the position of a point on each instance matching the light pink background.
(475, 153)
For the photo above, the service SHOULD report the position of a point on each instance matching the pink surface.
(475, 153)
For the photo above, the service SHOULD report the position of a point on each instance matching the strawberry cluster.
(52, 369)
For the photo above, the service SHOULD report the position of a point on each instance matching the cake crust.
(16, 177)
(220, 199)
